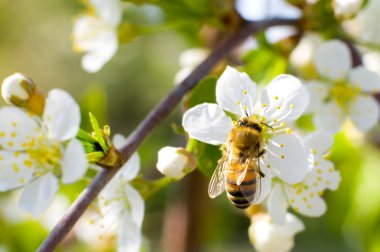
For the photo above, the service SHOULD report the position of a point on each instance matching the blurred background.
(36, 40)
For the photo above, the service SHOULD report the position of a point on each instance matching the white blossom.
(38, 151)
(342, 91)
(267, 236)
(175, 162)
(346, 8)
(95, 34)
(121, 207)
(282, 101)
(305, 197)
(188, 61)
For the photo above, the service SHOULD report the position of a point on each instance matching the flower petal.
(136, 202)
(16, 169)
(288, 158)
(284, 99)
(109, 10)
(235, 91)
(322, 176)
(320, 142)
(277, 204)
(329, 117)
(366, 80)
(131, 168)
(74, 162)
(364, 112)
(129, 235)
(97, 38)
(207, 123)
(38, 195)
(318, 92)
(305, 201)
(333, 60)
(61, 115)
(17, 128)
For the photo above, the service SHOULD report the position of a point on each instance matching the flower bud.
(175, 162)
(20, 91)
(270, 237)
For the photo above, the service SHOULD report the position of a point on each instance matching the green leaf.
(203, 92)
(207, 156)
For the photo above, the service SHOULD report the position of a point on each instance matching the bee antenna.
(246, 113)
(267, 125)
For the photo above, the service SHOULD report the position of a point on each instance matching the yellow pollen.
(281, 145)
(237, 103)
(2, 134)
(320, 193)
(245, 107)
(296, 209)
(282, 124)
(305, 199)
(314, 151)
(327, 182)
(28, 163)
(308, 206)
(1, 158)
(299, 191)
(14, 124)
(316, 163)
(331, 170)
(268, 166)
(16, 154)
(245, 92)
(291, 200)
(311, 195)
(264, 105)
(288, 131)
(22, 181)
(92, 221)
(15, 167)
(292, 106)
(275, 120)
(13, 134)
(278, 107)
(319, 171)
(276, 97)
(282, 156)
(10, 144)
(319, 179)
(38, 174)
(315, 184)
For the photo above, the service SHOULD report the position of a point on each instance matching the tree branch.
(152, 120)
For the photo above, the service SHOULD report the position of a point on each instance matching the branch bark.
(152, 120)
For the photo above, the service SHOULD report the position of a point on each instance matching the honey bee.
(238, 170)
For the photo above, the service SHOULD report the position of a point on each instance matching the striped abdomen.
(242, 195)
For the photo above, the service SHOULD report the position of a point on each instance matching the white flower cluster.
(38, 150)
(294, 172)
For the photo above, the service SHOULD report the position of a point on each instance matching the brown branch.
(151, 121)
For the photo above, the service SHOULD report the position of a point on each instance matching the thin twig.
(151, 121)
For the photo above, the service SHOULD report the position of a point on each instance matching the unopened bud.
(175, 162)
(20, 91)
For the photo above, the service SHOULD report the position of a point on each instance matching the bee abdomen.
(241, 195)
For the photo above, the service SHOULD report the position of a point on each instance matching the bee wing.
(251, 189)
(218, 179)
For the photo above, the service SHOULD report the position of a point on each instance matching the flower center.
(343, 93)
(47, 154)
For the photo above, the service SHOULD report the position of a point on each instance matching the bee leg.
(262, 152)
(261, 174)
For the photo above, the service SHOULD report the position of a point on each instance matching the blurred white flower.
(363, 26)
(283, 100)
(121, 207)
(36, 152)
(302, 55)
(305, 197)
(267, 236)
(175, 162)
(188, 61)
(346, 8)
(342, 91)
(95, 34)
(55, 212)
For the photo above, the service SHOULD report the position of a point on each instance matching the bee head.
(249, 123)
